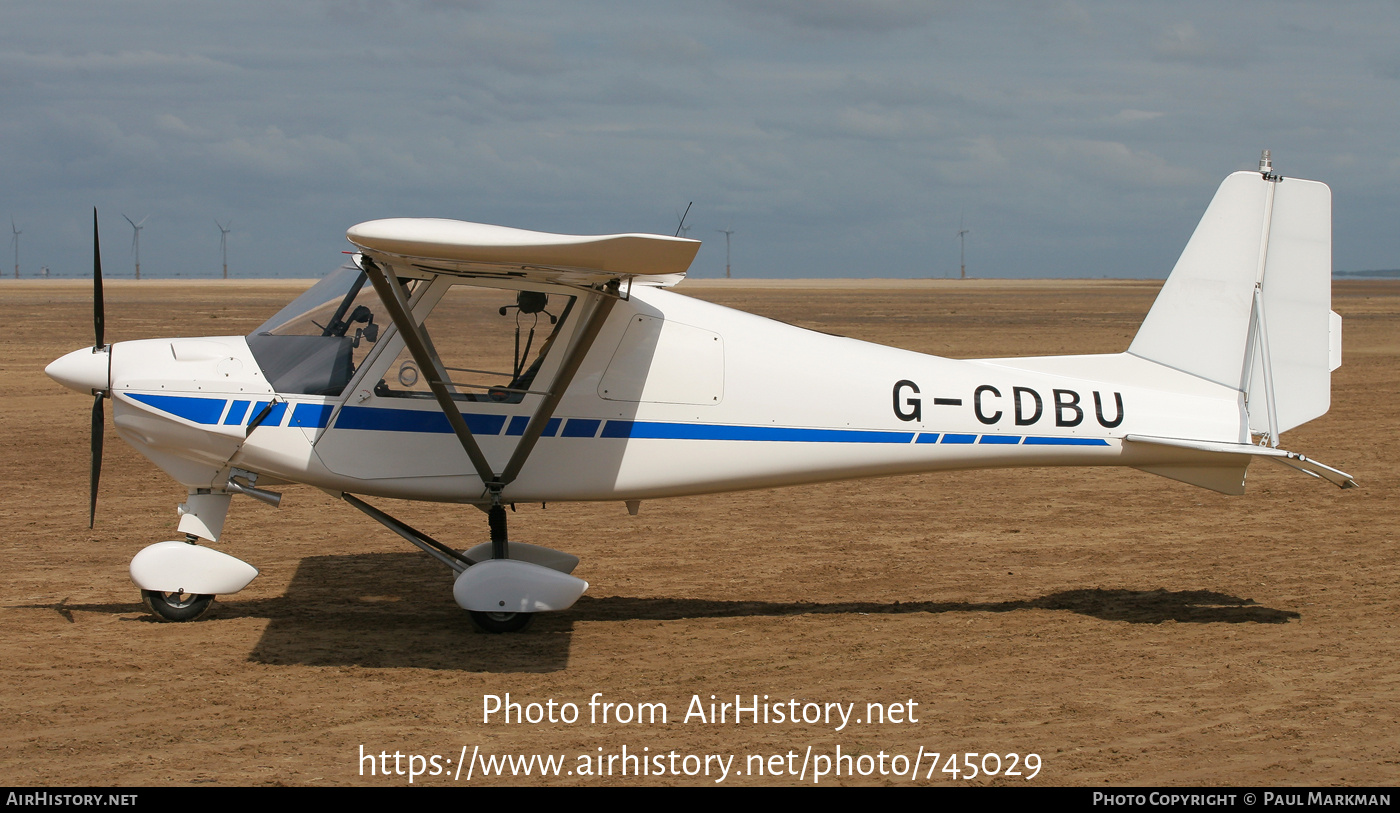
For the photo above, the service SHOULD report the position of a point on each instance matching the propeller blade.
(98, 315)
(99, 423)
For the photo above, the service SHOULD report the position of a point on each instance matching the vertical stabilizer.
(1248, 305)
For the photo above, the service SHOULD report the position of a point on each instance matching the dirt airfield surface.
(1124, 628)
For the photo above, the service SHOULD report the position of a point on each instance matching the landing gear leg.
(501, 585)
(500, 549)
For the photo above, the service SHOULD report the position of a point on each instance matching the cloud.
(274, 154)
(1129, 116)
(846, 17)
(1181, 42)
(796, 123)
(174, 125)
(106, 65)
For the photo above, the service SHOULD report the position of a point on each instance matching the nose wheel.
(176, 606)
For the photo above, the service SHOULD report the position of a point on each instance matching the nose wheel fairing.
(182, 567)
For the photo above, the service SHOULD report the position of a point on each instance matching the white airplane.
(463, 363)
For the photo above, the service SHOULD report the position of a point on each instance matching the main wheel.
(176, 606)
(501, 622)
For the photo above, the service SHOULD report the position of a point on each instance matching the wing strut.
(392, 295)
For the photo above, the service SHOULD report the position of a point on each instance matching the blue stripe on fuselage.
(1065, 442)
(311, 416)
(412, 420)
(195, 410)
(236, 413)
(705, 431)
(378, 419)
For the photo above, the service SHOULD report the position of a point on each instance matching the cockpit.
(490, 342)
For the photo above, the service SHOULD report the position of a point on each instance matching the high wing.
(476, 249)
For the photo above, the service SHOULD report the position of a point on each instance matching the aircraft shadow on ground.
(396, 610)
(1132, 606)
(389, 610)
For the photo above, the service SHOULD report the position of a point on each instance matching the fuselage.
(676, 396)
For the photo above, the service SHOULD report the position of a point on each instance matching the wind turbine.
(726, 233)
(136, 241)
(223, 243)
(15, 240)
(962, 249)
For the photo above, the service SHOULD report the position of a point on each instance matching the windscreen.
(314, 345)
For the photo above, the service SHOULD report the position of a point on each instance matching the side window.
(491, 342)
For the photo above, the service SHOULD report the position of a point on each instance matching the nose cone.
(82, 370)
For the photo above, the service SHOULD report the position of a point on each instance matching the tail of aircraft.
(1248, 306)
(1249, 302)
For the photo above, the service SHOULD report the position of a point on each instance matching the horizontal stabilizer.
(478, 249)
(1291, 459)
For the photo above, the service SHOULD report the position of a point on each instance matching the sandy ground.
(1124, 628)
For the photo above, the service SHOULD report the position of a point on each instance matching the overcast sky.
(834, 138)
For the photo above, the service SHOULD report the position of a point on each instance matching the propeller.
(98, 320)
(99, 421)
